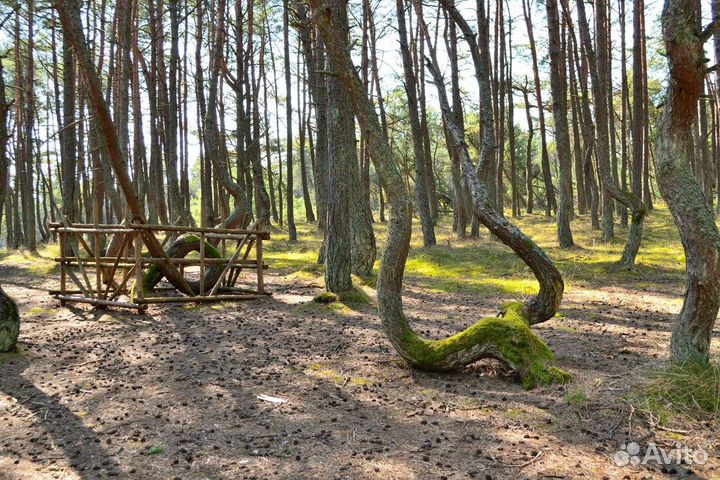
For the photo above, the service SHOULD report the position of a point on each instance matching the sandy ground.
(174, 393)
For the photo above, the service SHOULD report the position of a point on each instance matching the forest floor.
(173, 393)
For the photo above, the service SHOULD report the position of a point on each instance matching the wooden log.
(196, 299)
(165, 228)
(97, 302)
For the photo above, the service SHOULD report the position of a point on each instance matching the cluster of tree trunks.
(126, 72)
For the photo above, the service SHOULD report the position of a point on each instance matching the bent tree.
(602, 97)
(70, 20)
(507, 338)
(679, 187)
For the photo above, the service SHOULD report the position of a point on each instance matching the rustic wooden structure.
(102, 279)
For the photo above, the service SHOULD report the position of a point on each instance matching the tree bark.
(289, 192)
(681, 191)
(550, 201)
(476, 342)
(562, 133)
(598, 71)
(421, 184)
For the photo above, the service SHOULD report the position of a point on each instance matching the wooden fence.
(104, 265)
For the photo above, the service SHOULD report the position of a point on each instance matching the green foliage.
(576, 397)
(690, 390)
(37, 264)
(155, 450)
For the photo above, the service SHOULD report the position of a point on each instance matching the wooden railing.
(104, 265)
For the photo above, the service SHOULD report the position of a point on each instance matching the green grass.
(689, 391)
(482, 266)
(36, 264)
(576, 398)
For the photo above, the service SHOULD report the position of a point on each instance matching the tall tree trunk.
(28, 123)
(412, 102)
(289, 191)
(304, 124)
(341, 154)
(681, 191)
(562, 133)
(460, 213)
(598, 71)
(550, 201)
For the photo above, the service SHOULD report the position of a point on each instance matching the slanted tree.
(508, 338)
(421, 182)
(598, 71)
(680, 189)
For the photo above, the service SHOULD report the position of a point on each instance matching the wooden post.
(259, 257)
(202, 263)
(63, 279)
(139, 293)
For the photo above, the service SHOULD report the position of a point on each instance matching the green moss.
(150, 275)
(325, 298)
(354, 297)
(155, 450)
(507, 338)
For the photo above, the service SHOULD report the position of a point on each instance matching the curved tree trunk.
(681, 191)
(598, 71)
(508, 338)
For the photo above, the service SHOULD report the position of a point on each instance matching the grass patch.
(319, 371)
(37, 264)
(576, 398)
(38, 311)
(325, 298)
(691, 390)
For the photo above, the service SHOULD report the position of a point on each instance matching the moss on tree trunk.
(507, 338)
(181, 248)
(9, 323)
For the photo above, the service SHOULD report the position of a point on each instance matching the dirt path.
(174, 393)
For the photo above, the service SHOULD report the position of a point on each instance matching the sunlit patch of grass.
(325, 373)
(36, 264)
(292, 260)
(691, 391)
(38, 311)
(314, 308)
(487, 267)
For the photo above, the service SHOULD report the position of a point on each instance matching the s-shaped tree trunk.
(598, 73)
(508, 338)
(680, 189)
